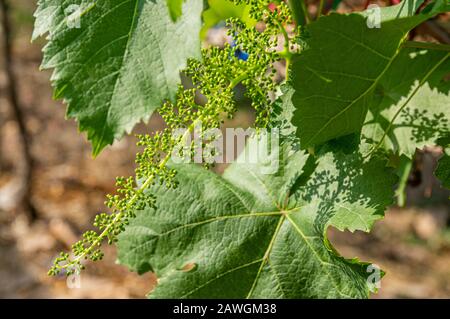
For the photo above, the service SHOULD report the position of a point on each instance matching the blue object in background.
(238, 53)
(241, 55)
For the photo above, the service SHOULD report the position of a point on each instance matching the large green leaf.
(411, 109)
(253, 234)
(122, 61)
(333, 91)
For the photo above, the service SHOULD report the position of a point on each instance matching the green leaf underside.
(250, 234)
(333, 91)
(411, 103)
(122, 62)
(282, 113)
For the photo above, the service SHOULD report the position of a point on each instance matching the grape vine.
(357, 98)
(214, 76)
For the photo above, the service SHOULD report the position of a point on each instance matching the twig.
(320, 8)
(426, 45)
(17, 111)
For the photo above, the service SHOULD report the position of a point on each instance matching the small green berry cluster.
(214, 78)
(259, 81)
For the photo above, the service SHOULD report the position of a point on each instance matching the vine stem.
(132, 201)
(286, 53)
(320, 9)
(306, 14)
(145, 185)
(299, 12)
(391, 123)
(406, 166)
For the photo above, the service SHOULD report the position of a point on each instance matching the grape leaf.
(252, 234)
(220, 10)
(333, 91)
(120, 63)
(175, 8)
(410, 109)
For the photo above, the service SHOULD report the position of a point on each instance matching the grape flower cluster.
(215, 78)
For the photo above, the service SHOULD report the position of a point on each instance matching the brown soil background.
(411, 244)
